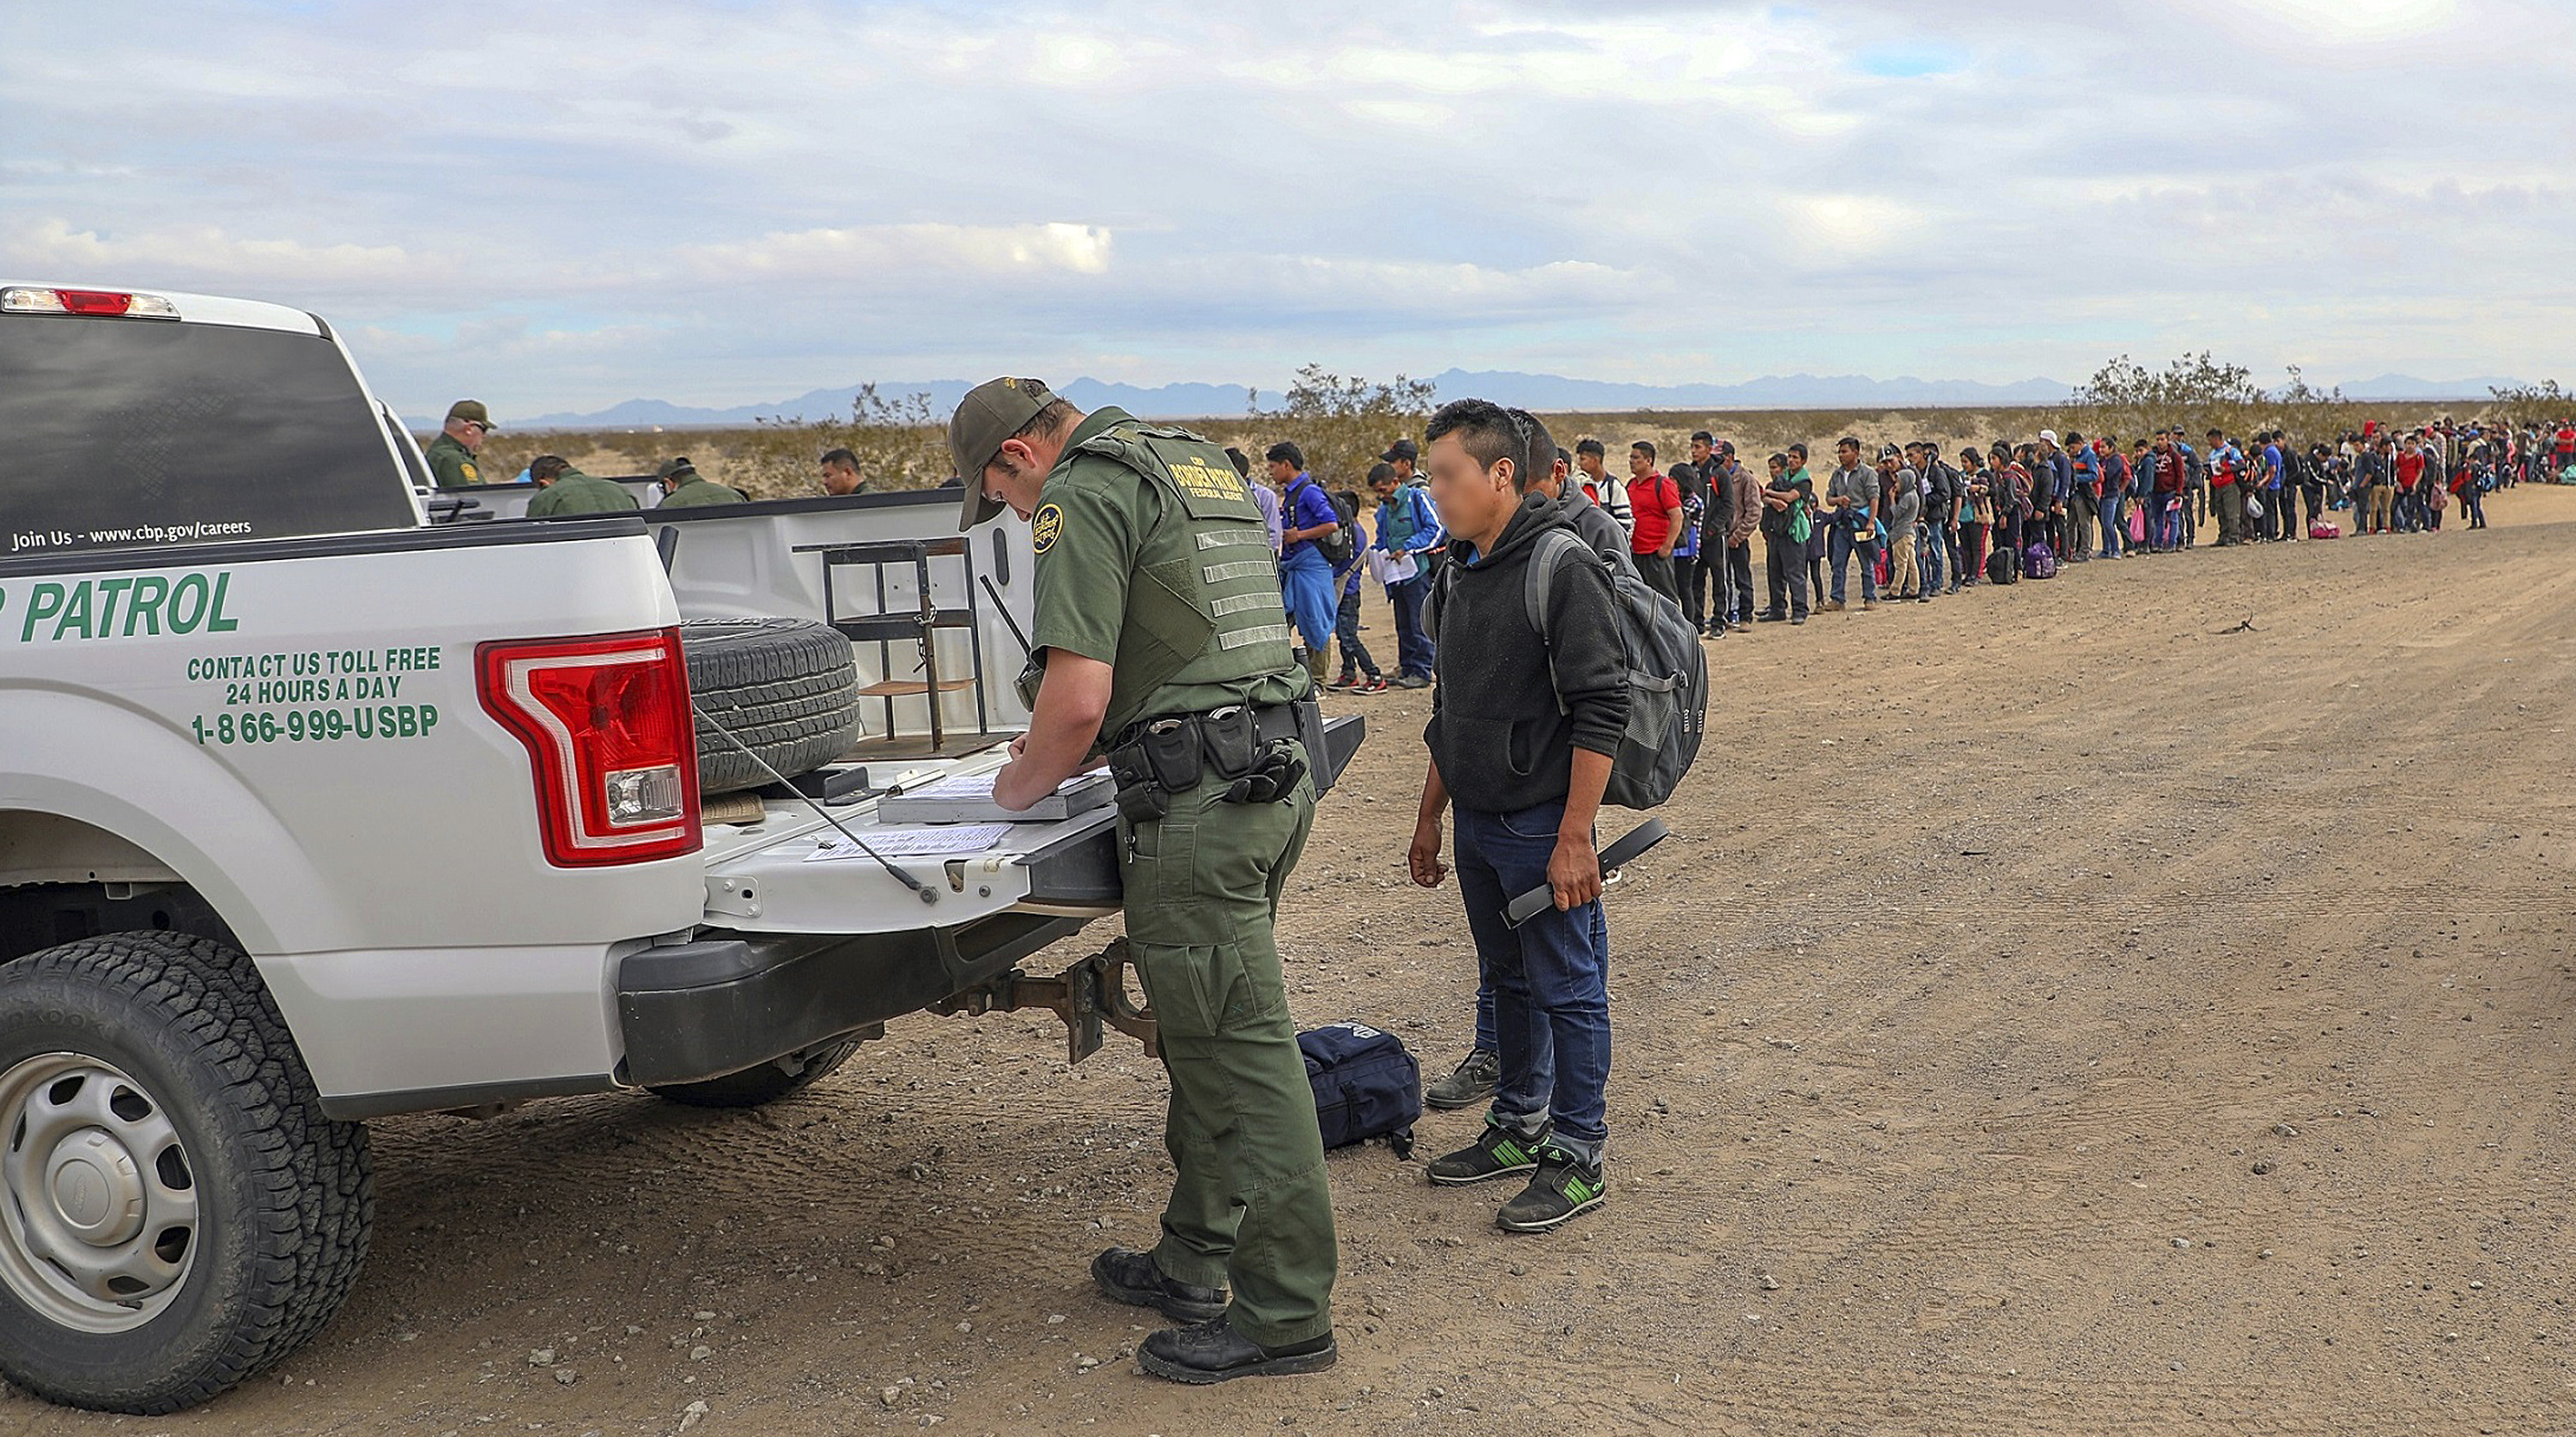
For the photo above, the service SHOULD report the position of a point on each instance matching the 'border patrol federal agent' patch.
(1048, 522)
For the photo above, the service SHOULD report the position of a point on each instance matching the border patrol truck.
(312, 812)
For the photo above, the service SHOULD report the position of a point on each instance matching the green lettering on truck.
(39, 609)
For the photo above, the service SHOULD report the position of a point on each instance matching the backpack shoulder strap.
(1538, 579)
(1538, 584)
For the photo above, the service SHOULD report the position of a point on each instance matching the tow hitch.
(1086, 995)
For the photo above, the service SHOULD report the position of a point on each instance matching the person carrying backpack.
(1359, 667)
(1525, 723)
(1308, 521)
(1407, 532)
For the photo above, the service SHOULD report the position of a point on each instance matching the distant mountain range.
(1528, 391)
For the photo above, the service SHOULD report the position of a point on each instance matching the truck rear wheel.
(787, 689)
(767, 1083)
(176, 1212)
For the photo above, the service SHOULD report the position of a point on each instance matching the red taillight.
(606, 723)
(93, 301)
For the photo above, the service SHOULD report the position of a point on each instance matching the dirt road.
(2058, 1015)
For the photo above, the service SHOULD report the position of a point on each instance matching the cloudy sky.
(561, 205)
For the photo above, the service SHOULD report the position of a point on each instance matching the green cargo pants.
(1250, 1208)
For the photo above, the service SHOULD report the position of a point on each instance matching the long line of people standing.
(1912, 522)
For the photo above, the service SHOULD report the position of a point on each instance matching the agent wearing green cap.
(563, 490)
(451, 454)
(1163, 644)
(683, 487)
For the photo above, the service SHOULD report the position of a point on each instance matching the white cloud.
(891, 255)
(613, 195)
(206, 251)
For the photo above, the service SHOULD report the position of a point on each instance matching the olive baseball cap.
(990, 413)
(678, 464)
(472, 411)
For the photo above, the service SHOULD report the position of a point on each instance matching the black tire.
(787, 689)
(284, 1196)
(767, 1083)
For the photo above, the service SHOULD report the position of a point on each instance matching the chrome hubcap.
(98, 1201)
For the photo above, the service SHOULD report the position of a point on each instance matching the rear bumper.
(728, 1001)
(787, 974)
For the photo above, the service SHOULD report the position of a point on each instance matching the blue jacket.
(1303, 505)
(1411, 513)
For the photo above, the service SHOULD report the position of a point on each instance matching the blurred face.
(1384, 488)
(1778, 469)
(1474, 499)
(469, 432)
(840, 479)
(1640, 464)
(1282, 473)
(1849, 454)
(1699, 451)
(1589, 463)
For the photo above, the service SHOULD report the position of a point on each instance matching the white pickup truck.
(312, 812)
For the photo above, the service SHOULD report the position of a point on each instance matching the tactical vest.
(1203, 605)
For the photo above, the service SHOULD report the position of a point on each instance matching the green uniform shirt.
(451, 464)
(1096, 522)
(574, 492)
(696, 491)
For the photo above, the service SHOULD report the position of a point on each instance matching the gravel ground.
(2059, 1012)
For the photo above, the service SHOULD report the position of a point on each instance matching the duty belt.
(1246, 747)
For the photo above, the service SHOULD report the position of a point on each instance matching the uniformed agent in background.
(683, 487)
(841, 473)
(563, 490)
(451, 454)
(1163, 643)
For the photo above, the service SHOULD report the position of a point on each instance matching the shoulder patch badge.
(472, 475)
(1044, 526)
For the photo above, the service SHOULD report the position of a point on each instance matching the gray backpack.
(1667, 671)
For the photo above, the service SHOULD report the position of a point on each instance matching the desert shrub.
(1340, 424)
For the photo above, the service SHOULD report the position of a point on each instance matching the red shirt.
(1652, 497)
(2410, 467)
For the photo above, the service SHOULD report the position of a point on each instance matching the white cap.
(2048, 434)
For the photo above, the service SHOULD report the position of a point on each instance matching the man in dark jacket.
(1717, 513)
(1523, 725)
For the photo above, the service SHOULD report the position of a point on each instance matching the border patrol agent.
(563, 490)
(683, 487)
(450, 456)
(1160, 639)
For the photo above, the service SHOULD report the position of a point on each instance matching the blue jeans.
(1346, 627)
(1839, 545)
(1306, 587)
(2113, 507)
(1550, 978)
(1927, 553)
(1412, 646)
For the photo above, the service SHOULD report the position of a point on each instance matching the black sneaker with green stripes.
(1563, 1186)
(1497, 1152)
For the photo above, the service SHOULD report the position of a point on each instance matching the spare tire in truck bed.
(785, 688)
